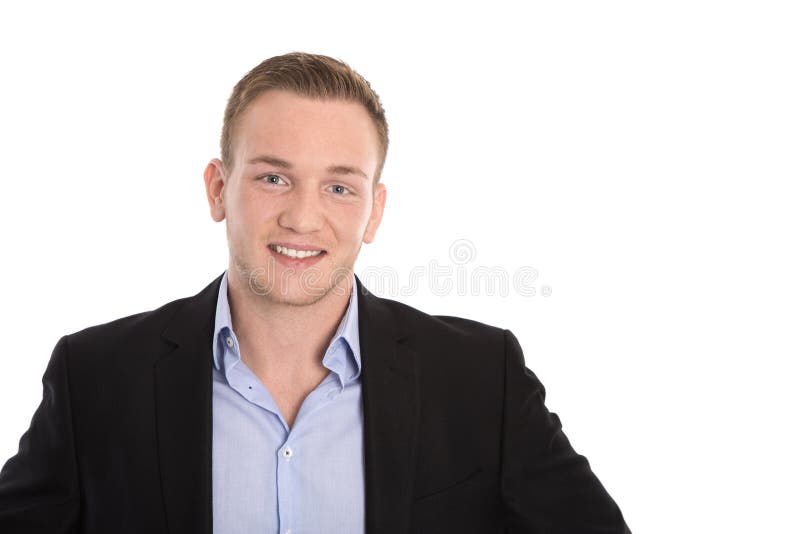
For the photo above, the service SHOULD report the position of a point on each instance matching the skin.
(283, 317)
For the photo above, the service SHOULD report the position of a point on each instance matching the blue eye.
(269, 178)
(340, 189)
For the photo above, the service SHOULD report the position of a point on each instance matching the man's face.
(296, 183)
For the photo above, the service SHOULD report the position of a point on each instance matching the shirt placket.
(285, 478)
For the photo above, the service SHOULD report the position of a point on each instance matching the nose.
(303, 211)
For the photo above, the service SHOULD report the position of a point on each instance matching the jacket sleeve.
(547, 487)
(39, 491)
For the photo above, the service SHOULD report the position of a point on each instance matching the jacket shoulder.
(131, 327)
(142, 330)
(445, 329)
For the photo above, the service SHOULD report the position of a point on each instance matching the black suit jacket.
(456, 434)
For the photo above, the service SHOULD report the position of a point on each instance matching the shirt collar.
(343, 355)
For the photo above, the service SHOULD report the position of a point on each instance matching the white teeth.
(292, 253)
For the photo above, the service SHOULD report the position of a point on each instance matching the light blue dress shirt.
(269, 479)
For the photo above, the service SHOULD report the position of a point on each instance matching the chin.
(296, 296)
(282, 285)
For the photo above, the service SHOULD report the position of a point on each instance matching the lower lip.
(297, 263)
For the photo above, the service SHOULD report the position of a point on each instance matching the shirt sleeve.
(546, 486)
(39, 491)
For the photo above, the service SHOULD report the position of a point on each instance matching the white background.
(642, 156)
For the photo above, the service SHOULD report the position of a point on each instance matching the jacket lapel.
(391, 408)
(183, 414)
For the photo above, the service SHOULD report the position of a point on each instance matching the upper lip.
(296, 246)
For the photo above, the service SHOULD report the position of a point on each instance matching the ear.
(378, 203)
(214, 177)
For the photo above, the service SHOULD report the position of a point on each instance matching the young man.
(285, 397)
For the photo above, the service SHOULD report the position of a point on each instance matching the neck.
(276, 335)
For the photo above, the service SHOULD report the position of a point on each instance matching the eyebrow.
(282, 163)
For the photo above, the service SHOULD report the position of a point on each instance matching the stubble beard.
(271, 283)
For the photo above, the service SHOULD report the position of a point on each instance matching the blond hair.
(309, 75)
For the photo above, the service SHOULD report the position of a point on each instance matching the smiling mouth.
(293, 253)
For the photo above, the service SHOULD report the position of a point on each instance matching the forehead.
(303, 129)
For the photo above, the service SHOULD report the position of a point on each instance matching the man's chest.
(271, 477)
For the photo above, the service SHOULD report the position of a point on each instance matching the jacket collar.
(391, 409)
(184, 415)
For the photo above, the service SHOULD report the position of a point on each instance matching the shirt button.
(229, 341)
(287, 453)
